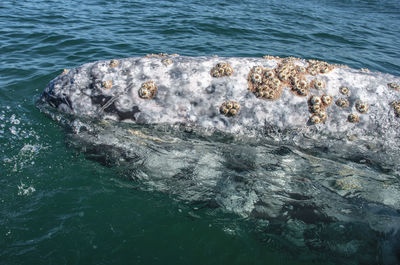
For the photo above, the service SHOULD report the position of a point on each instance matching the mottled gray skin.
(187, 93)
(281, 167)
(190, 96)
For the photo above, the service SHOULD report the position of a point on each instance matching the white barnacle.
(233, 111)
(302, 92)
(318, 84)
(315, 100)
(394, 86)
(256, 78)
(344, 90)
(353, 118)
(166, 61)
(258, 70)
(114, 63)
(315, 108)
(107, 84)
(326, 99)
(362, 107)
(315, 119)
(323, 115)
(270, 74)
(342, 102)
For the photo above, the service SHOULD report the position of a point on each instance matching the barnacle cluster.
(353, 118)
(221, 69)
(318, 67)
(230, 108)
(361, 107)
(344, 90)
(394, 86)
(293, 76)
(317, 107)
(148, 90)
(114, 63)
(317, 84)
(107, 84)
(396, 106)
(264, 83)
(342, 102)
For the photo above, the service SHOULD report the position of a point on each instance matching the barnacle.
(394, 86)
(256, 78)
(299, 86)
(258, 69)
(269, 73)
(301, 69)
(312, 71)
(316, 108)
(318, 84)
(315, 119)
(114, 63)
(342, 102)
(315, 100)
(283, 76)
(166, 61)
(230, 108)
(353, 118)
(326, 100)
(323, 115)
(276, 82)
(263, 84)
(396, 106)
(107, 84)
(362, 107)
(344, 90)
(148, 90)
(66, 71)
(221, 69)
(302, 92)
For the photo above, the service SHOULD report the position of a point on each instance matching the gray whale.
(293, 141)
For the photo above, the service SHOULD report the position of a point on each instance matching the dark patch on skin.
(224, 121)
(308, 213)
(100, 100)
(282, 151)
(179, 93)
(210, 89)
(122, 115)
(125, 72)
(57, 101)
(175, 74)
(196, 103)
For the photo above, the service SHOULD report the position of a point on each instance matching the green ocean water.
(58, 207)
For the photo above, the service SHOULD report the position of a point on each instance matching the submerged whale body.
(309, 146)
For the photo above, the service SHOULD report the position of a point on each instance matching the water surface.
(57, 206)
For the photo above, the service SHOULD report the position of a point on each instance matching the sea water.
(61, 204)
